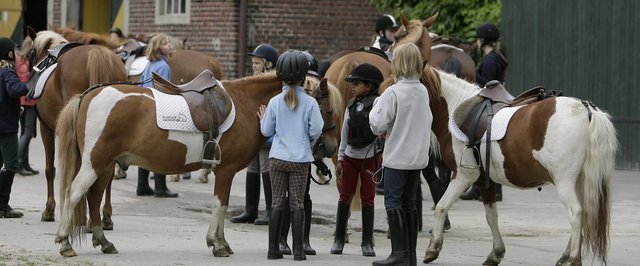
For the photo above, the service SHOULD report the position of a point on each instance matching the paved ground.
(151, 231)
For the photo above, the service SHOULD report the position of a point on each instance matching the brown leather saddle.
(208, 101)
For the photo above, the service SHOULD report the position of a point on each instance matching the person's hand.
(339, 170)
(261, 110)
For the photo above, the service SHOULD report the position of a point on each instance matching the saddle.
(375, 51)
(208, 101)
(129, 51)
(50, 60)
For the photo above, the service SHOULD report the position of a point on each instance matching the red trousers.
(351, 170)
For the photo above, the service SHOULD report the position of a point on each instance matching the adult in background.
(402, 115)
(10, 91)
(29, 115)
(493, 67)
(263, 60)
(294, 119)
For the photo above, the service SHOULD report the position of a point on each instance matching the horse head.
(330, 102)
(416, 32)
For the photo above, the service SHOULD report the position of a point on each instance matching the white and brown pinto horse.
(112, 123)
(558, 140)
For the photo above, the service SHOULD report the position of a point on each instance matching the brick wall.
(322, 27)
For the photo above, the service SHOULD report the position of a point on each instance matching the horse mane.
(413, 33)
(431, 79)
(335, 98)
(87, 37)
(47, 40)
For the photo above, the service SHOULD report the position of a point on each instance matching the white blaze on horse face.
(193, 141)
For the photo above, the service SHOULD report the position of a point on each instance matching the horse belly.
(193, 141)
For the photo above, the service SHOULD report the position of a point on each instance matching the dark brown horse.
(447, 56)
(77, 69)
(126, 114)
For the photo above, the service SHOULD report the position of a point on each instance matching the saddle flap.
(495, 91)
(200, 83)
(375, 51)
(63, 48)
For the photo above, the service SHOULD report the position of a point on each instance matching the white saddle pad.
(499, 125)
(138, 66)
(172, 113)
(42, 80)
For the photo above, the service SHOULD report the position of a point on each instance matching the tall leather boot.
(266, 186)
(367, 232)
(25, 160)
(23, 146)
(399, 243)
(498, 192)
(472, 194)
(284, 231)
(252, 199)
(297, 233)
(6, 181)
(342, 217)
(161, 190)
(419, 199)
(412, 235)
(308, 250)
(437, 188)
(143, 183)
(275, 225)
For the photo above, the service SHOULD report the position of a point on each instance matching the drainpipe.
(242, 38)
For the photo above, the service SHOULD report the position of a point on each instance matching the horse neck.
(455, 90)
(260, 88)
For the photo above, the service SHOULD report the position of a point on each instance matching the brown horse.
(100, 65)
(88, 157)
(559, 140)
(446, 55)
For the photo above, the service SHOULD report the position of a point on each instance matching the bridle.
(319, 145)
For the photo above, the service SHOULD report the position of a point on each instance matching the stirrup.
(216, 148)
(469, 166)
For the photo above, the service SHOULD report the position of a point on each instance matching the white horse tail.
(69, 158)
(597, 171)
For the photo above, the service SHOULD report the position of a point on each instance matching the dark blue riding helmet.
(6, 47)
(488, 32)
(313, 64)
(267, 52)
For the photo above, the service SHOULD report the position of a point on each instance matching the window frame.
(162, 17)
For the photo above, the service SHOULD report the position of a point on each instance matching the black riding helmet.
(313, 64)
(386, 22)
(267, 52)
(6, 47)
(292, 66)
(488, 32)
(117, 32)
(366, 72)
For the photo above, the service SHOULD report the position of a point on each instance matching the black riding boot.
(437, 188)
(342, 217)
(161, 190)
(472, 194)
(252, 199)
(412, 235)
(367, 232)
(308, 250)
(498, 192)
(23, 147)
(6, 181)
(419, 200)
(275, 225)
(266, 186)
(297, 233)
(399, 242)
(143, 183)
(284, 231)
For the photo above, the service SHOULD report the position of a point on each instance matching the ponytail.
(291, 98)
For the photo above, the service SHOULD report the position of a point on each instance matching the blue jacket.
(159, 66)
(10, 91)
(491, 68)
(295, 130)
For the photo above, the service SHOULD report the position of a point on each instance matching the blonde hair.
(25, 48)
(153, 49)
(406, 62)
(291, 98)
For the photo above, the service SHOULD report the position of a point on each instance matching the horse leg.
(107, 210)
(48, 215)
(204, 176)
(573, 253)
(491, 214)
(455, 189)
(94, 198)
(215, 234)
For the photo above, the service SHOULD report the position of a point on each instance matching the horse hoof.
(109, 248)
(68, 253)
(48, 216)
(222, 252)
(490, 262)
(430, 256)
(107, 225)
(228, 249)
(203, 180)
(174, 178)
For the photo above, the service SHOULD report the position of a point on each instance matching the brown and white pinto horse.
(109, 123)
(560, 140)
(77, 69)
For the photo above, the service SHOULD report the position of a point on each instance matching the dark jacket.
(10, 91)
(492, 67)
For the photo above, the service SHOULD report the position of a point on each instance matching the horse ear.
(404, 19)
(323, 84)
(31, 33)
(428, 22)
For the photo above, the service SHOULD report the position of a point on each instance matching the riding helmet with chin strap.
(313, 64)
(386, 22)
(488, 32)
(267, 52)
(6, 47)
(366, 72)
(292, 66)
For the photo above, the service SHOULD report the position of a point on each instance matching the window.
(173, 11)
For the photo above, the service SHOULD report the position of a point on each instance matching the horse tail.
(597, 171)
(69, 153)
(103, 65)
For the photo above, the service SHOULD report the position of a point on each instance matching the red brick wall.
(322, 27)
